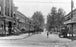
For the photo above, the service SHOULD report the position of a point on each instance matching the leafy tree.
(51, 18)
(60, 15)
(55, 19)
(38, 19)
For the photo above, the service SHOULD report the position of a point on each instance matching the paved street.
(37, 40)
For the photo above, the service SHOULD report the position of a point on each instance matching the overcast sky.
(28, 7)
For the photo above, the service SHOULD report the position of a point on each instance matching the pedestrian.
(47, 34)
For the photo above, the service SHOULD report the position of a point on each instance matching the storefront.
(71, 24)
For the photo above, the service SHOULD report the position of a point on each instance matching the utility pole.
(72, 16)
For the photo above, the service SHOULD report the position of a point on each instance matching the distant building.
(22, 20)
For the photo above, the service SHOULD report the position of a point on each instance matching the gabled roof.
(70, 21)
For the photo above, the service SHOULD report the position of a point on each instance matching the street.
(37, 40)
(37, 23)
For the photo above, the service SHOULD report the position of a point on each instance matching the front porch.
(6, 25)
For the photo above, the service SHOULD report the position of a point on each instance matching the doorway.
(10, 28)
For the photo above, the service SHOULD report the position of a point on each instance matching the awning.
(69, 22)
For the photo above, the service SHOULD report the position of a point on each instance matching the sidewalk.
(22, 36)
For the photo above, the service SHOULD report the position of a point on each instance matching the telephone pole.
(72, 16)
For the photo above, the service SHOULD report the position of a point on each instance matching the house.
(70, 21)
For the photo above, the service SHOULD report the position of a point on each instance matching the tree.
(38, 19)
(60, 15)
(55, 19)
(51, 18)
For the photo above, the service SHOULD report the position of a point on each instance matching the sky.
(28, 7)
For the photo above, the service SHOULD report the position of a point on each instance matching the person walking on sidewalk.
(47, 34)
